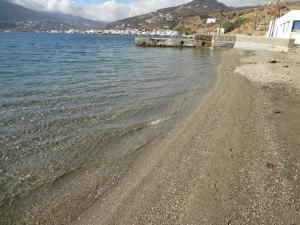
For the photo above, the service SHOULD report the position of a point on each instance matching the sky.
(111, 10)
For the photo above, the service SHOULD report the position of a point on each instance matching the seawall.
(220, 41)
(199, 40)
(263, 43)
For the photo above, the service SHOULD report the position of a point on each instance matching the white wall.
(296, 36)
(283, 26)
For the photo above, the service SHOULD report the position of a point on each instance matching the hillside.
(238, 21)
(191, 18)
(169, 18)
(16, 17)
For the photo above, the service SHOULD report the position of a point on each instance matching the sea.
(68, 100)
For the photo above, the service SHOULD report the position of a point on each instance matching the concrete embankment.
(263, 43)
(199, 40)
(165, 42)
(220, 41)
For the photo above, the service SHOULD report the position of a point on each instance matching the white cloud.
(239, 3)
(66, 6)
(111, 10)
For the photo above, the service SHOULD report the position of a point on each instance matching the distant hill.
(238, 20)
(191, 18)
(16, 17)
(170, 17)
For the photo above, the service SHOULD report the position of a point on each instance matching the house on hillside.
(211, 20)
(287, 26)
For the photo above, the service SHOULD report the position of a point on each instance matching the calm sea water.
(68, 99)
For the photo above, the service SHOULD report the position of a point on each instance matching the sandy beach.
(137, 112)
(234, 160)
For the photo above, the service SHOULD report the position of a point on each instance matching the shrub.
(231, 25)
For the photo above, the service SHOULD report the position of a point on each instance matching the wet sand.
(234, 160)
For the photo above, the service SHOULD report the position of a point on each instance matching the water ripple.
(65, 98)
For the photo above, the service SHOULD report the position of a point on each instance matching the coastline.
(226, 164)
(232, 160)
(62, 148)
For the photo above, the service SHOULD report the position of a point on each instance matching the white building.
(211, 20)
(287, 26)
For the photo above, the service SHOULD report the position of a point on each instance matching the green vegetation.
(186, 31)
(231, 25)
(189, 32)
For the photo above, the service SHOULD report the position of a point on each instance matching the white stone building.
(211, 20)
(287, 26)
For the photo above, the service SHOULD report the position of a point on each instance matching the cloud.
(111, 10)
(239, 3)
(66, 6)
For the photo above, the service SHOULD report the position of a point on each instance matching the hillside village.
(198, 16)
(194, 18)
(247, 21)
(253, 21)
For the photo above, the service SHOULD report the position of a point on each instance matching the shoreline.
(74, 192)
(225, 165)
(232, 160)
(56, 178)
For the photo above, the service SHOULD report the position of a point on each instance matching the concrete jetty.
(165, 42)
(264, 43)
(219, 41)
(199, 40)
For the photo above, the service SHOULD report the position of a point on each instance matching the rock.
(270, 166)
(277, 111)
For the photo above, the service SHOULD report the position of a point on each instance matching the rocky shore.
(234, 160)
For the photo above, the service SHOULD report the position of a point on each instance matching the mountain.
(168, 18)
(19, 18)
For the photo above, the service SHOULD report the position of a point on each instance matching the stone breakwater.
(220, 41)
(199, 40)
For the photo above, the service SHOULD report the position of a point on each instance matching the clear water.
(64, 99)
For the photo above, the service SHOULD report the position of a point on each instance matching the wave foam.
(158, 121)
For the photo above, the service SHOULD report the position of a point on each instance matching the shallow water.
(65, 99)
